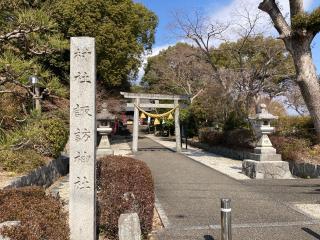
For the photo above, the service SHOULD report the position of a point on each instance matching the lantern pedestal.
(104, 129)
(264, 150)
(104, 147)
(266, 169)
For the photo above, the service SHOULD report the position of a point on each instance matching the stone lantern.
(263, 127)
(104, 129)
(264, 162)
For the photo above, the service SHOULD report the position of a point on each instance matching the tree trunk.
(308, 81)
(297, 41)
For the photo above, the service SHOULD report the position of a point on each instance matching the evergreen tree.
(27, 34)
(124, 30)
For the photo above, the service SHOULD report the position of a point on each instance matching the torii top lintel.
(154, 96)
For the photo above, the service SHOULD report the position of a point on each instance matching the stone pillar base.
(101, 152)
(265, 157)
(266, 169)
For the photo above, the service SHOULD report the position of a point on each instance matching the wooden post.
(177, 126)
(135, 126)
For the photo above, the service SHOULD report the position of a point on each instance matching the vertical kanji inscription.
(82, 139)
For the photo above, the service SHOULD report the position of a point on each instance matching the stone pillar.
(135, 130)
(129, 227)
(37, 99)
(177, 125)
(82, 195)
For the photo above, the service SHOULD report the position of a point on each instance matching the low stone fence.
(302, 170)
(222, 151)
(43, 176)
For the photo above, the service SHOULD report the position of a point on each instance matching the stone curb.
(302, 170)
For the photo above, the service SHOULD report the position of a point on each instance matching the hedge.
(125, 185)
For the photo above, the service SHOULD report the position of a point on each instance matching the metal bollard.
(226, 219)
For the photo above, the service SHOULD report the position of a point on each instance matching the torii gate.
(157, 97)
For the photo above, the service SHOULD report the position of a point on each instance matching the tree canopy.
(178, 69)
(124, 30)
(255, 66)
(34, 40)
(248, 68)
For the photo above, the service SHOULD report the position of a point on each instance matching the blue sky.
(216, 9)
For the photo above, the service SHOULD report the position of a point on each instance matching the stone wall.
(304, 170)
(43, 176)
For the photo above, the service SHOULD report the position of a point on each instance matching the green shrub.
(20, 161)
(41, 216)
(210, 136)
(235, 121)
(26, 148)
(46, 136)
(236, 138)
(291, 149)
(293, 126)
(49, 136)
(125, 185)
(239, 138)
(57, 114)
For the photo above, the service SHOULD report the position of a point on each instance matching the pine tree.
(28, 34)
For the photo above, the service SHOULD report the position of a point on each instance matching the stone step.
(60, 189)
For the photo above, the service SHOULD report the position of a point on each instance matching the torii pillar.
(135, 134)
(156, 97)
(177, 125)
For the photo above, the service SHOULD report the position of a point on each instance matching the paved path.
(227, 166)
(188, 195)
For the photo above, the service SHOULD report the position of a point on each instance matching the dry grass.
(41, 216)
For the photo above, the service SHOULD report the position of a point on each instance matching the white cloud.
(234, 14)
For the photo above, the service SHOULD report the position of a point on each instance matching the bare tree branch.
(19, 33)
(202, 33)
(296, 7)
(270, 7)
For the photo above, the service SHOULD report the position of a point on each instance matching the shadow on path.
(312, 233)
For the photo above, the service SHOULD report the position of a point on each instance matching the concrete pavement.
(189, 195)
(227, 166)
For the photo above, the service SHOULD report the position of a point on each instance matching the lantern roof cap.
(104, 114)
(263, 113)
